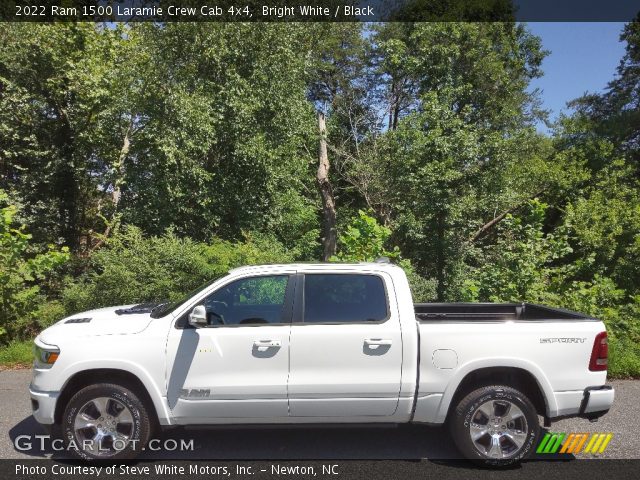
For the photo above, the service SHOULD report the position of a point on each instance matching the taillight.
(600, 353)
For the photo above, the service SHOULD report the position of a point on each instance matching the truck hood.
(120, 320)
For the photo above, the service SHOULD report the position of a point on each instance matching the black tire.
(513, 440)
(126, 423)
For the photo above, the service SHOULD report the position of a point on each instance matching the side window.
(344, 298)
(248, 301)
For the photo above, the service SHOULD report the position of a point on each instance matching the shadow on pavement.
(405, 442)
(264, 443)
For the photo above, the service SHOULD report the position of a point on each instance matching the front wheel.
(105, 422)
(495, 425)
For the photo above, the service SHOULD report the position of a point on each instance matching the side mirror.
(198, 316)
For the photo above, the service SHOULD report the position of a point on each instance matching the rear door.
(346, 346)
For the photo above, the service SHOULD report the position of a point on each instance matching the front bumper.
(596, 401)
(43, 405)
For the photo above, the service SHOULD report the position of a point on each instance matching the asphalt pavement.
(312, 443)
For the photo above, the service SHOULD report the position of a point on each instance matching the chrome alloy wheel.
(103, 426)
(498, 429)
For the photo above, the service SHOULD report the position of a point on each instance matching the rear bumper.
(596, 401)
(43, 406)
(591, 403)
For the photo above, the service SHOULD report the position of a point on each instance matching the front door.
(346, 347)
(236, 368)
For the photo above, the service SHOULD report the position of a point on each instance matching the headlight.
(45, 357)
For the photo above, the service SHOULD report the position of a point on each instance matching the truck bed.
(492, 312)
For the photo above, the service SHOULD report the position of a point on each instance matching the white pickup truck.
(309, 344)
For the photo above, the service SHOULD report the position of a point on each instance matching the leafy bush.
(364, 240)
(624, 358)
(601, 298)
(23, 272)
(133, 268)
(48, 313)
(520, 265)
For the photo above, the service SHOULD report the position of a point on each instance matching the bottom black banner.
(306, 470)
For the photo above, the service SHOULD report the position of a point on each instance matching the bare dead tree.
(116, 193)
(329, 232)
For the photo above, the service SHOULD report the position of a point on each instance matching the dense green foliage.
(132, 268)
(140, 161)
(24, 274)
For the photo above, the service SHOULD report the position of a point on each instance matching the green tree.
(614, 114)
(464, 150)
(60, 91)
(23, 273)
(600, 144)
(193, 126)
(222, 147)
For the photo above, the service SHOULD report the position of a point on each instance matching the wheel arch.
(516, 374)
(93, 376)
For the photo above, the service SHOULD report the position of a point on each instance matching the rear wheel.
(495, 425)
(105, 421)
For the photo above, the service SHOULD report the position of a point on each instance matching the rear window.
(346, 298)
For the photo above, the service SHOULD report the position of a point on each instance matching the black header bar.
(319, 10)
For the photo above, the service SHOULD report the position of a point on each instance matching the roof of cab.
(328, 266)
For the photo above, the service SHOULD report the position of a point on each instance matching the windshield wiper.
(159, 309)
(159, 306)
(140, 308)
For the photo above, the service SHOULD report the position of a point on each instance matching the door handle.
(263, 345)
(377, 341)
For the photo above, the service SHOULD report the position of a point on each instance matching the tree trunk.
(329, 233)
(441, 260)
(117, 187)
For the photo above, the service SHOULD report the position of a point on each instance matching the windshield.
(168, 307)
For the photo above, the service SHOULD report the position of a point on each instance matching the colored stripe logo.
(573, 443)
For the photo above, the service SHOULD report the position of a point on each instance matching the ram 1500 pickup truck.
(318, 344)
